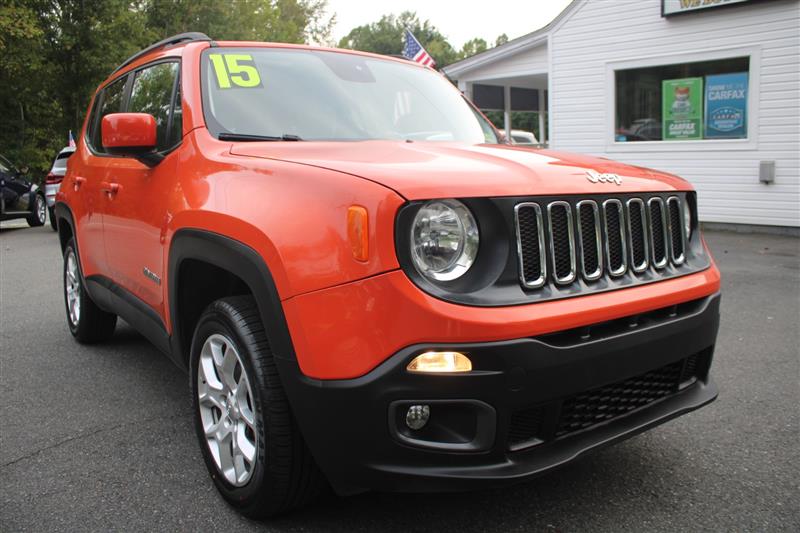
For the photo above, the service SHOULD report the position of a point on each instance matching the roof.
(519, 44)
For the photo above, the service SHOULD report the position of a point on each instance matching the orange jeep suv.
(368, 289)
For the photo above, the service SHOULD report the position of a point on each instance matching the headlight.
(687, 218)
(444, 240)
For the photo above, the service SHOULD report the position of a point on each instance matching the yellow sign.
(233, 70)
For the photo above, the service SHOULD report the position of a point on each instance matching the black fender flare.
(242, 261)
(64, 213)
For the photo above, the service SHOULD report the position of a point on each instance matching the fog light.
(440, 362)
(417, 416)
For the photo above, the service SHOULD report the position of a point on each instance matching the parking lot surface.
(100, 438)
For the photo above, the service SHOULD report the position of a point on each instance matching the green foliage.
(472, 47)
(54, 54)
(386, 36)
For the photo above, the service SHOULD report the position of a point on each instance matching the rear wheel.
(249, 440)
(38, 215)
(87, 322)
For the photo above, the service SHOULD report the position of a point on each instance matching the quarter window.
(110, 101)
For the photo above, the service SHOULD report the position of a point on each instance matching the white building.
(719, 78)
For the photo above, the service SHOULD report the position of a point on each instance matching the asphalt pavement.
(100, 438)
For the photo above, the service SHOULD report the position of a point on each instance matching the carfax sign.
(726, 106)
(682, 109)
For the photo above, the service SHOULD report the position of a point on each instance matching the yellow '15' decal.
(233, 69)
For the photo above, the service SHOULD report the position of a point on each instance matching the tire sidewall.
(217, 322)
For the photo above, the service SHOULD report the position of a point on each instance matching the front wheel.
(38, 215)
(249, 440)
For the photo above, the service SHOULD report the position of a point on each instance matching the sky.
(459, 21)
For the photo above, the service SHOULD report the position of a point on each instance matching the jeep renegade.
(368, 289)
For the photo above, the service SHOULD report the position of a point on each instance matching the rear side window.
(152, 92)
(61, 161)
(110, 101)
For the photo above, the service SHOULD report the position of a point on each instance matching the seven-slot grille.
(559, 241)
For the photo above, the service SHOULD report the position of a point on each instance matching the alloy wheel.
(226, 410)
(72, 285)
(41, 209)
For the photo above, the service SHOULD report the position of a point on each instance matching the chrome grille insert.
(591, 254)
(614, 226)
(637, 235)
(676, 233)
(623, 240)
(530, 245)
(562, 242)
(658, 231)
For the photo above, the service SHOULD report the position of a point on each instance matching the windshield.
(332, 96)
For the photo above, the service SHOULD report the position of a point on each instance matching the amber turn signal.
(433, 362)
(358, 231)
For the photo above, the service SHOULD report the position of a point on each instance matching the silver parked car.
(53, 181)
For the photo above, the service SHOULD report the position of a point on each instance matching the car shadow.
(583, 488)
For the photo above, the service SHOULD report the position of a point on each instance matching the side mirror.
(131, 135)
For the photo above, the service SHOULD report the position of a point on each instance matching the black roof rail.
(175, 39)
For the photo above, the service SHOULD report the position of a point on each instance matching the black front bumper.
(528, 405)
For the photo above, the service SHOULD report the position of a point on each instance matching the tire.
(39, 214)
(87, 322)
(52, 215)
(282, 475)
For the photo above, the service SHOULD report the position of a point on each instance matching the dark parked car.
(19, 198)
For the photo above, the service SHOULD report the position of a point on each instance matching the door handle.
(110, 188)
(79, 181)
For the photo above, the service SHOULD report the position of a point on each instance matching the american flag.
(71, 140)
(414, 51)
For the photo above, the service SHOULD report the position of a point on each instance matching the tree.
(472, 47)
(501, 39)
(20, 60)
(288, 21)
(387, 35)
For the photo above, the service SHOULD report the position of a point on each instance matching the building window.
(524, 112)
(689, 101)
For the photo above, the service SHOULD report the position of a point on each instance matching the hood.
(424, 170)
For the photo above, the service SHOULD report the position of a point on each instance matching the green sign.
(682, 109)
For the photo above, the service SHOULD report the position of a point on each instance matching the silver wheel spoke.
(228, 368)
(212, 399)
(244, 445)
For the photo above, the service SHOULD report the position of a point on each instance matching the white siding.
(599, 32)
(532, 60)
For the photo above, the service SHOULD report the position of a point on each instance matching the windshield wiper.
(243, 137)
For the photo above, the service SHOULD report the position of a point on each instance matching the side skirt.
(112, 298)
